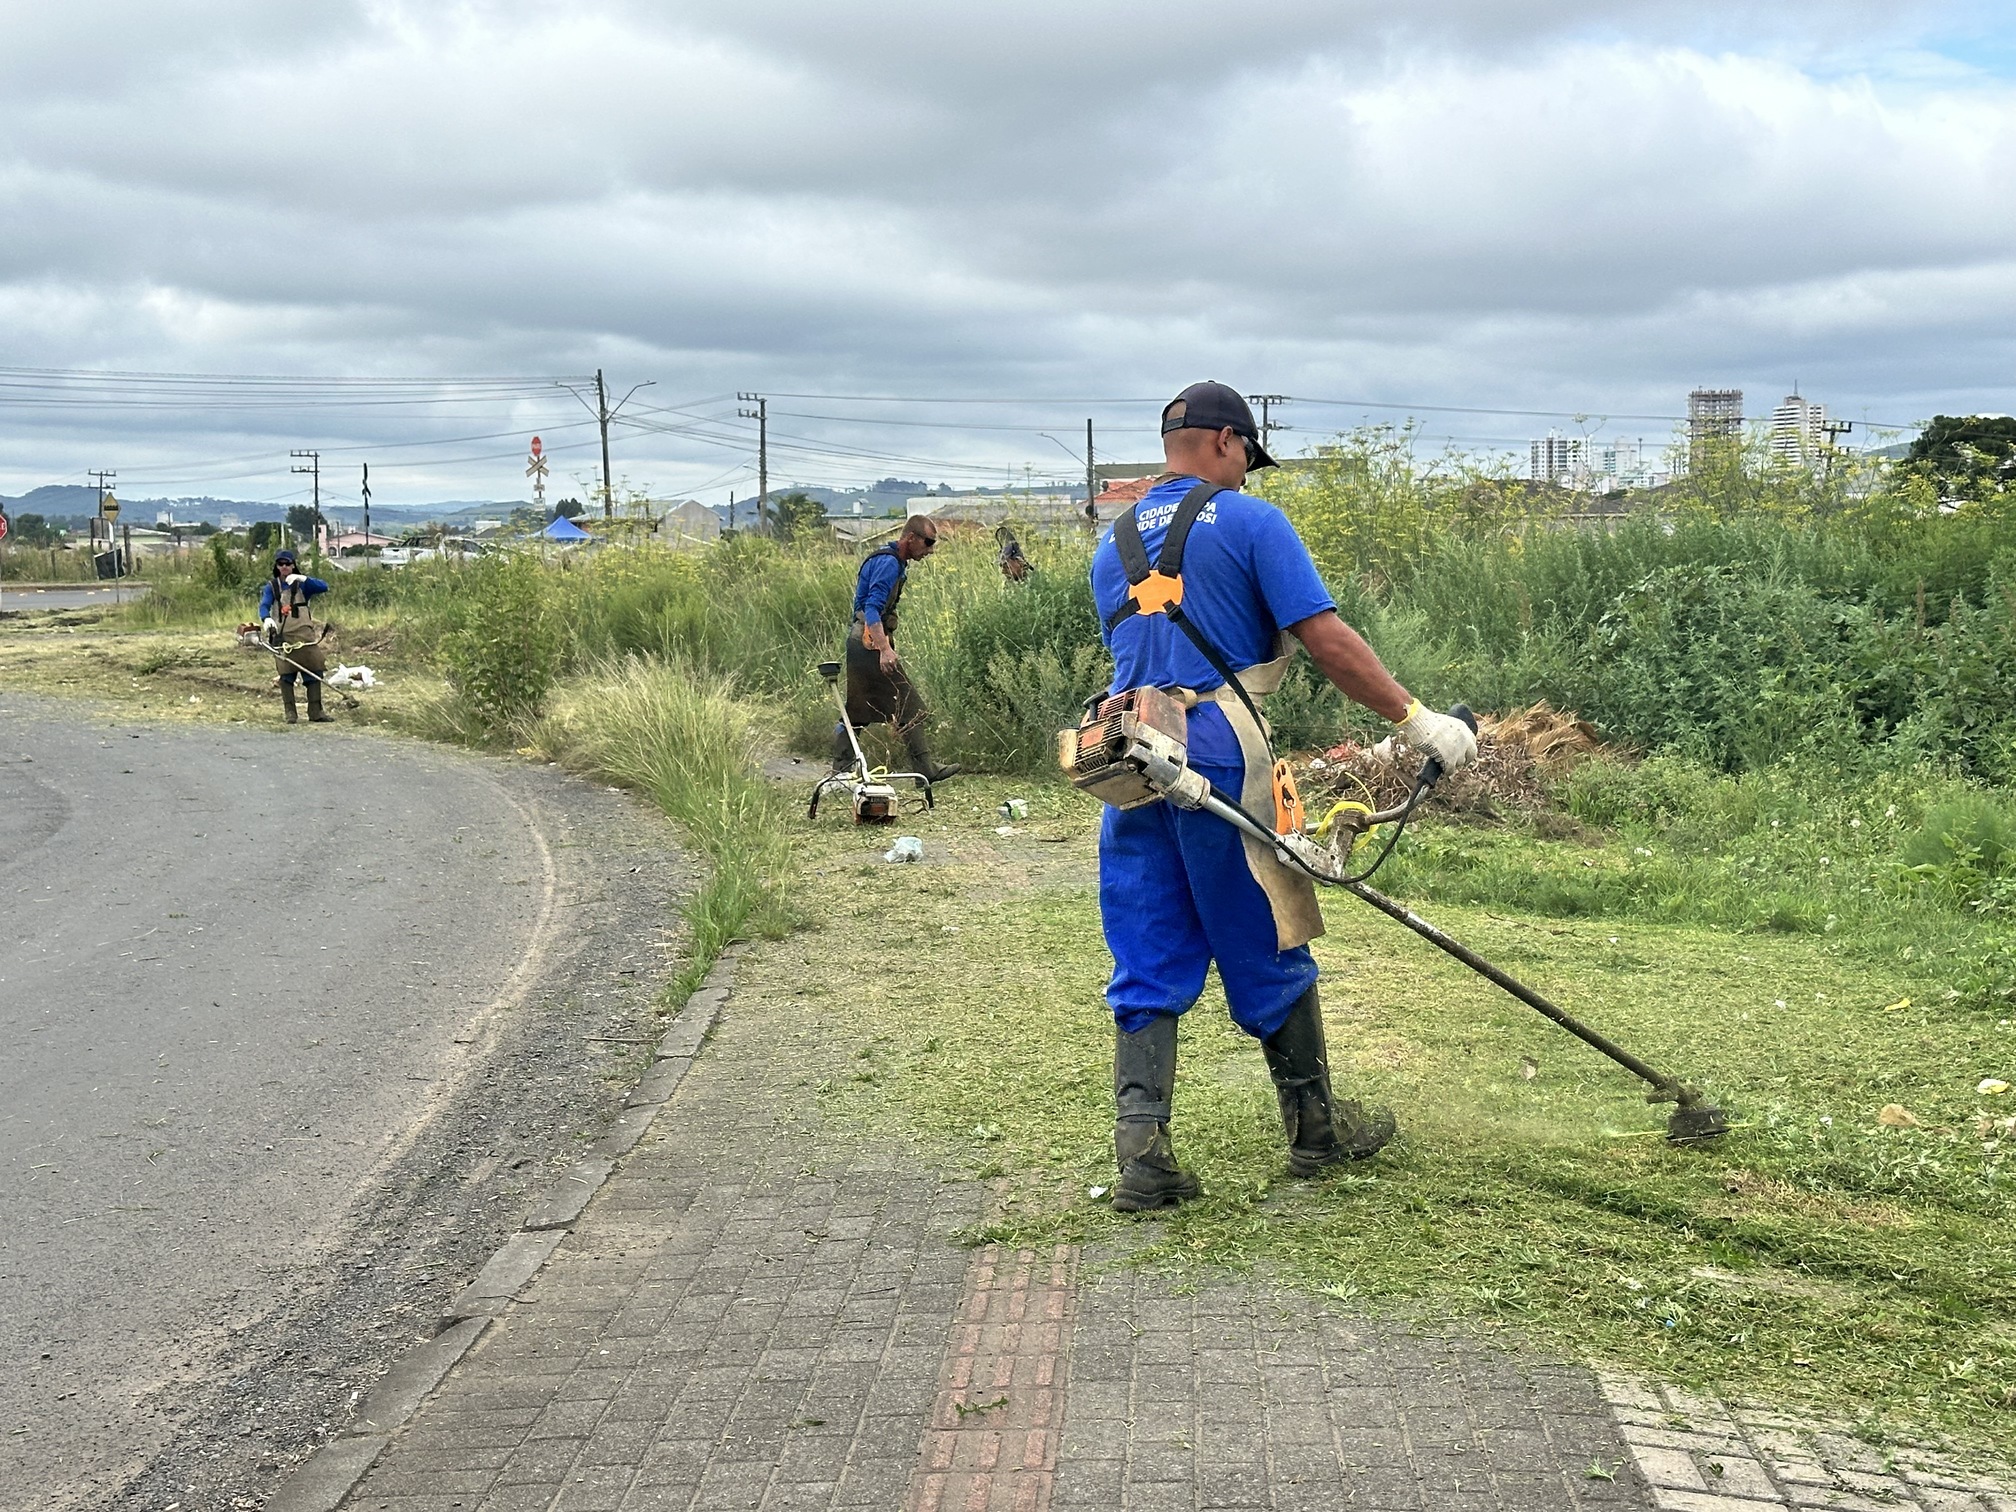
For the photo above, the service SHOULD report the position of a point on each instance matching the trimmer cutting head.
(1696, 1120)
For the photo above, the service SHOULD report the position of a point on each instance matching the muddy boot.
(287, 703)
(1144, 1079)
(1320, 1133)
(315, 714)
(843, 750)
(920, 760)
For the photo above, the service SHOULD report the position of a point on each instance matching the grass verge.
(1816, 1257)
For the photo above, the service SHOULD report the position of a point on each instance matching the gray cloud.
(1570, 204)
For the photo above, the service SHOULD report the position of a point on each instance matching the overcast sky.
(1548, 205)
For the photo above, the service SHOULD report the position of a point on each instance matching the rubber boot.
(315, 714)
(287, 702)
(1320, 1132)
(1144, 1080)
(843, 750)
(920, 760)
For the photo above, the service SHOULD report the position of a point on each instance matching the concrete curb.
(327, 1477)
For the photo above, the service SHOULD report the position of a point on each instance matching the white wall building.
(1799, 432)
(1560, 459)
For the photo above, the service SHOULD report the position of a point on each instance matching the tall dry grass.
(680, 735)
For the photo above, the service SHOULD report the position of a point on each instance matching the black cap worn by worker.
(1215, 406)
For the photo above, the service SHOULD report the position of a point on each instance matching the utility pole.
(1267, 423)
(604, 412)
(761, 415)
(1834, 431)
(367, 504)
(314, 470)
(602, 418)
(104, 481)
(1091, 479)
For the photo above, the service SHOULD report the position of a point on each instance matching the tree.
(1966, 455)
(260, 534)
(567, 509)
(301, 520)
(32, 530)
(799, 517)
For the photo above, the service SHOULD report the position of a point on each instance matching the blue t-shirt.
(1246, 576)
(271, 592)
(880, 574)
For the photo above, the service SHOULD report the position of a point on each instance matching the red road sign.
(537, 446)
(3, 527)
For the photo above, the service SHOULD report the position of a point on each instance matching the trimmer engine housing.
(1131, 749)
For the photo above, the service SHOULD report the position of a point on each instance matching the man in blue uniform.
(288, 618)
(1180, 889)
(879, 691)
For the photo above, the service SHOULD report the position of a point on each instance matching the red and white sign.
(538, 446)
(3, 527)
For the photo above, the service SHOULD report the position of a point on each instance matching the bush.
(505, 649)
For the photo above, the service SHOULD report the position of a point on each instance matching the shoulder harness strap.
(1159, 589)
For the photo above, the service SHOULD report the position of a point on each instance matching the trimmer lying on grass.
(1131, 749)
(871, 793)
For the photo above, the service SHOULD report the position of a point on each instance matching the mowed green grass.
(1814, 1256)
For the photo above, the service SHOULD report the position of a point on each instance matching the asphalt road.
(246, 975)
(35, 600)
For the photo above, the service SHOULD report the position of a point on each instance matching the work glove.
(1443, 736)
(270, 625)
(296, 577)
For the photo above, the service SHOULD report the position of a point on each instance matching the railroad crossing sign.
(535, 469)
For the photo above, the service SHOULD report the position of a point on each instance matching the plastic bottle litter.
(1015, 808)
(906, 848)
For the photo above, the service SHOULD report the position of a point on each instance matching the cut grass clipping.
(1825, 1254)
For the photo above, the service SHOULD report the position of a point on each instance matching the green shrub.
(1974, 828)
(505, 649)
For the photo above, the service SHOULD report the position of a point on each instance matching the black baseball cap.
(1214, 406)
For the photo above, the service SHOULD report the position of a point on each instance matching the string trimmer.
(1131, 749)
(871, 791)
(253, 639)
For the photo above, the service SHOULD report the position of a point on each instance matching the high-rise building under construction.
(1714, 416)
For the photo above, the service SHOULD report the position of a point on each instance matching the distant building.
(348, 540)
(687, 524)
(1560, 459)
(1713, 416)
(1625, 463)
(982, 508)
(1799, 433)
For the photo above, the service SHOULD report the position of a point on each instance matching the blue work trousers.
(1176, 894)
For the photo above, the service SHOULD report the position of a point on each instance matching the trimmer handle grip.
(1431, 773)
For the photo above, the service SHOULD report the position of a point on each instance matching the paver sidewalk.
(758, 1312)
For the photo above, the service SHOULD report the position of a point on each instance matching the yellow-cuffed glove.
(1443, 736)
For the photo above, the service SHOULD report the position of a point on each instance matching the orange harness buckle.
(1156, 593)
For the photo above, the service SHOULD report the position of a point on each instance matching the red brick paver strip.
(992, 1443)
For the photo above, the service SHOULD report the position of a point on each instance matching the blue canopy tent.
(564, 529)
